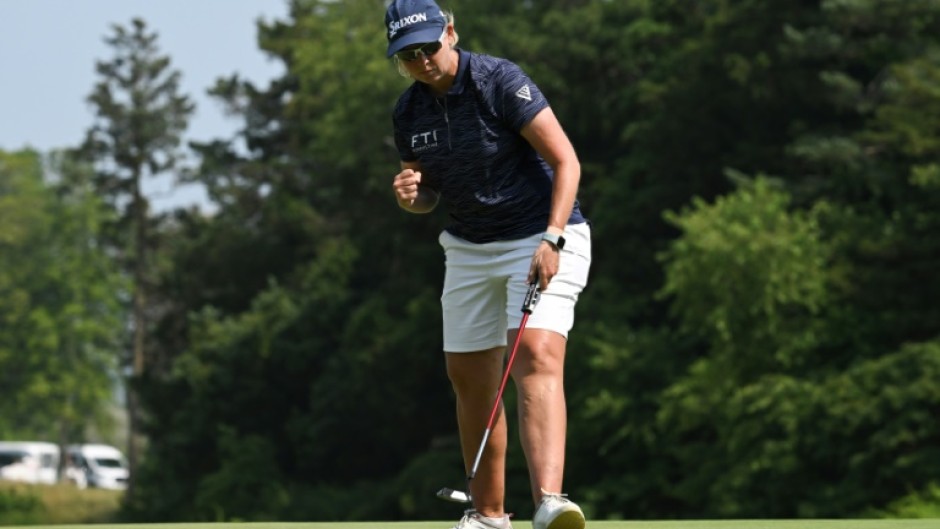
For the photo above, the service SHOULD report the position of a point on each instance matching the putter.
(531, 299)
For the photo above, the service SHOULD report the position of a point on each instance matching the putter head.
(453, 495)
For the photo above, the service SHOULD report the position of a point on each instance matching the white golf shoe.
(555, 511)
(474, 520)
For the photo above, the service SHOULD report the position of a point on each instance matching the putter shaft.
(531, 299)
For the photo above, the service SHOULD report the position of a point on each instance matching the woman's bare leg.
(475, 378)
(538, 372)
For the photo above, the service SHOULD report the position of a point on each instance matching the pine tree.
(140, 118)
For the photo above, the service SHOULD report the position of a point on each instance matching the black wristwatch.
(555, 240)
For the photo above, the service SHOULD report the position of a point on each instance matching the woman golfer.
(475, 133)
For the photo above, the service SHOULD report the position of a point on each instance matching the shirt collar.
(460, 80)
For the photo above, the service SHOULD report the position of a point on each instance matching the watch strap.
(555, 239)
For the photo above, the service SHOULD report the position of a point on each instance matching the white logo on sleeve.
(524, 93)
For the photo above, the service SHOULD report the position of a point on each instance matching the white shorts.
(485, 284)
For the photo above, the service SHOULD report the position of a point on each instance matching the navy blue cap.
(409, 22)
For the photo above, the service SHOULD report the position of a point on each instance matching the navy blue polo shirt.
(494, 185)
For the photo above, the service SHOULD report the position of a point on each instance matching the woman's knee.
(474, 373)
(542, 353)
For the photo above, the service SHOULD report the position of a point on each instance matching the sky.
(48, 50)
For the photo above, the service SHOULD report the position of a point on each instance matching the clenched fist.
(406, 186)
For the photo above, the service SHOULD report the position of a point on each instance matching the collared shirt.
(494, 185)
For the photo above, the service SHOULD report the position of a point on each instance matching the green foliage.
(59, 303)
(772, 295)
(19, 507)
(290, 300)
(908, 121)
(139, 114)
(761, 414)
(140, 117)
(748, 276)
(921, 504)
(29, 505)
(870, 424)
(247, 477)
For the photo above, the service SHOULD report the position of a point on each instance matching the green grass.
(713, 524)
(56, 504)
(64, 507)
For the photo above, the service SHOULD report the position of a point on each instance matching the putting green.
(522, 524)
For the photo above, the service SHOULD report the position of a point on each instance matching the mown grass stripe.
(521, 524)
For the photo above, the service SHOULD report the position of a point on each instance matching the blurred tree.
(835, 98)
(60, 302)
(290, 298)
(749, 277)
(140, 117)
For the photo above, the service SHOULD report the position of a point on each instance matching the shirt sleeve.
(516, 98)
(401, 143)
(407, 154)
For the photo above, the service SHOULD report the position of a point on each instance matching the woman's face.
(433, 63)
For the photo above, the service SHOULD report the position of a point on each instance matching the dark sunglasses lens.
(431, 48)
(427, 50)
(408, 55)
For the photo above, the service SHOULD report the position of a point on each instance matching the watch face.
(561, 242)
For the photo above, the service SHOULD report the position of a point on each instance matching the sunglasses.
(424, 51)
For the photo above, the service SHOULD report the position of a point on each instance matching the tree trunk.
(140, 328)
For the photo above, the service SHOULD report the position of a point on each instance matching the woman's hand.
(411, 195)
(406, 186)
(544, 264)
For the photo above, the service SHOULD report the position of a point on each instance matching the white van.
(29, 461)
(97, 465)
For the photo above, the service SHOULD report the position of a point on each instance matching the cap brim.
(420, 36)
